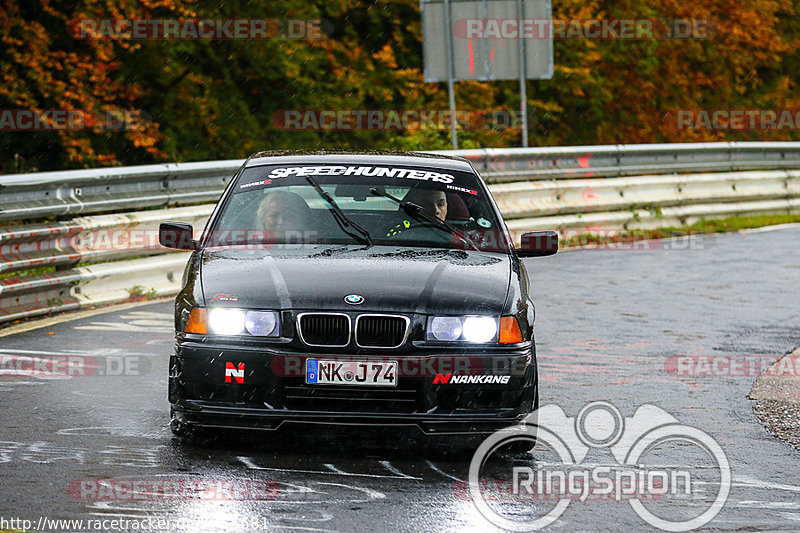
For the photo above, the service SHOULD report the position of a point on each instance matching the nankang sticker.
(450, 379)
(383, 172)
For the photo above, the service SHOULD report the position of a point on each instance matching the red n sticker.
(236, 373)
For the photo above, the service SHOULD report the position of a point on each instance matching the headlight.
(474, 329)
(226, 321)
(479, 328)
(261, 323)
(445, 328)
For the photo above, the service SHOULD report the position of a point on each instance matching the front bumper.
(263, 387)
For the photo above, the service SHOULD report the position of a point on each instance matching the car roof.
(359, 158)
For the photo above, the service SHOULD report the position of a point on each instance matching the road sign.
(487, 38)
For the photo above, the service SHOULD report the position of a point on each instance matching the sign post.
(451, 76)
(486, 40)
(523, 90)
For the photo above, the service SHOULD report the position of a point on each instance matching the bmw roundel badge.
(354, 299)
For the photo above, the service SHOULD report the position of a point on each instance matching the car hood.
(398, 279)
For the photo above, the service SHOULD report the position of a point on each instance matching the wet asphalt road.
(607, 324)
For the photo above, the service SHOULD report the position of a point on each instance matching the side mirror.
(538, 243)
(176, 235)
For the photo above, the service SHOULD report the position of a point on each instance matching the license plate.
(372, 373)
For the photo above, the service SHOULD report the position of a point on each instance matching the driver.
(284, 214)
(433, 202)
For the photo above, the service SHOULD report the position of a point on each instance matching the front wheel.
(182, 430)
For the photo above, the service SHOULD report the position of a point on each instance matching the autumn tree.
(216, 99)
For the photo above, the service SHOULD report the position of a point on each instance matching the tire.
(182, 430)
(519, 448)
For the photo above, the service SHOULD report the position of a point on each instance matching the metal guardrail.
(607, 205)
(523, 164)
(73, 192)
(97, 239)
(572, 189)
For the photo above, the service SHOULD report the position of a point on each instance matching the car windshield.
(363, 204)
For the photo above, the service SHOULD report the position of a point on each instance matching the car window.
(279, 204)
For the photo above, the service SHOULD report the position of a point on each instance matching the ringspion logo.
(572, 465)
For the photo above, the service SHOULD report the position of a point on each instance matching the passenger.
(284, 214)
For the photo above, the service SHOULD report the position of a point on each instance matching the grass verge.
(720, 225)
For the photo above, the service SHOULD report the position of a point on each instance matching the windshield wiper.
(339, 215)
(418, 212)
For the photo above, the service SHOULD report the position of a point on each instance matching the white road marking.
(440, 471)
(121, 515)
(388, 466)
(72, 317)
(302, 528)
(106, 431)
(745, 481)
(42, 452)
(110, 509)
(152, 323)
(41, 352)
(148, 315)
(126, 326)
(67, 353)
(374, 494)
(766, 229)
(333, 468)
(108, 505)
(332, 472)
(301, 489)
(766, 505)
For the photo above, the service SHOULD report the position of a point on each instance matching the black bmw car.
(375, 289)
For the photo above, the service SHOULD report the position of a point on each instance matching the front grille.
(324, 329)
(333, 398)
(381, 331)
